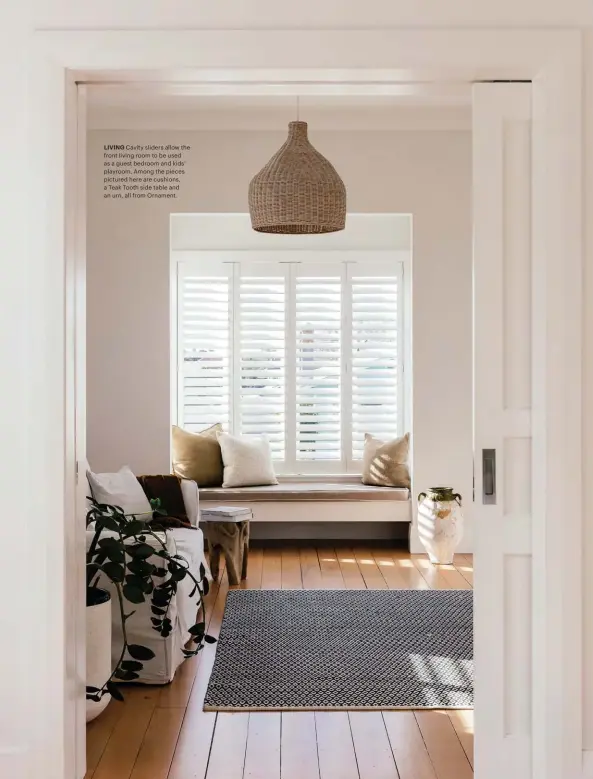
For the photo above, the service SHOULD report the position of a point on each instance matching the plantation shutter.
(318, 325)
(308, 353)
(376, 365)
(204, 346)
(260, 326)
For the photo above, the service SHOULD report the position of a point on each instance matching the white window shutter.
(260, 341)
(375, 359)
(204, 340)
(318, 292)
(308, 353)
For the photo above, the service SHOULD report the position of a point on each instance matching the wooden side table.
(226, 529)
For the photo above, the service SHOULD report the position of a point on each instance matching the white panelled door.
(502, 425)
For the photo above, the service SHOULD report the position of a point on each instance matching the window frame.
(229, 262)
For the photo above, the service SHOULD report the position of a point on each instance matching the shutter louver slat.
(262, 359)
(205, 336)
(318, 368)
(375, 359)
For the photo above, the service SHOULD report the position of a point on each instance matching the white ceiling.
(255, 106)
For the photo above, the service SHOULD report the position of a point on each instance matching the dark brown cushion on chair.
(166, 489)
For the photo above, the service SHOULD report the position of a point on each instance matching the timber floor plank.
(331, 573)
(291, 569)
(262, 755)
(271, 578)
(373, 751)
(335, 748)
(121, 751)
(407, 745)
(310, 569)
(298, 749)
(157, 749)
(373, 578)
(443, 745)
(227, 755)
(351, 574)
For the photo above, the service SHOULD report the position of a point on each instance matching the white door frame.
(553, 60)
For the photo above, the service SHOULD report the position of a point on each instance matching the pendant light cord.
(298, 105)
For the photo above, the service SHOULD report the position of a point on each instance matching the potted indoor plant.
(134, 556)
(440, 523)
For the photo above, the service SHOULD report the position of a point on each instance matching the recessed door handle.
(489, 476)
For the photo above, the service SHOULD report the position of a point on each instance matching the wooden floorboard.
(443, 745)
(158, 746)
(98, 733)
(373, 751)
(310, 570)
(227, 756)
(163, 732)
(351, 574)
(298, 751)
(335, 747)
(121, 751)
(262, 755)
(331, 573)
(291, 569)
(407, 745)
(373, 578)
(271, 578)
(463, 722)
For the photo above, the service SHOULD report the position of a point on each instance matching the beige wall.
(427, 174)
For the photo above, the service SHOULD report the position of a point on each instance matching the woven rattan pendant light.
(298, 191)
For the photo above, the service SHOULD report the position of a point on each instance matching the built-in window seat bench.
(341, 499)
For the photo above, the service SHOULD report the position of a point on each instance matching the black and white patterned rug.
(344, 649)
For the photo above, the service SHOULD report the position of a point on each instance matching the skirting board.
(330, 531)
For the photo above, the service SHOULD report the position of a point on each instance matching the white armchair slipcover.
(168, 651)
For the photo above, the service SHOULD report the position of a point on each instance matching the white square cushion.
(247, 461)
(121, 489)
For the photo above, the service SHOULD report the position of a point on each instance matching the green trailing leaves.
(115, 571)
(141, 567)
(133, 594)
(140, 550)
(198, 629)
(131, 665)
(139, 652)
(209, 639)
(114, 691)
(134, 527)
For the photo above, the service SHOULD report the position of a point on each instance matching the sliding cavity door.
(502, 425)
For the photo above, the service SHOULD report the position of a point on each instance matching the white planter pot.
(440, 524)
(98, 653)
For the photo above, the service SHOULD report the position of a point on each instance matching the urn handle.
(421, 497)
(457, 497)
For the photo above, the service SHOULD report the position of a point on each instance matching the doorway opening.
(544, 88)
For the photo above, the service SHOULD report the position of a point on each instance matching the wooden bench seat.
(304, 491)
(317, 500)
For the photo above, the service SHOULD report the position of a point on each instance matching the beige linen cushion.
(197, 456)
(247, 461)
(385, 463)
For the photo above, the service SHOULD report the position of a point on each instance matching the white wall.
(270, 14)
(427, 174)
